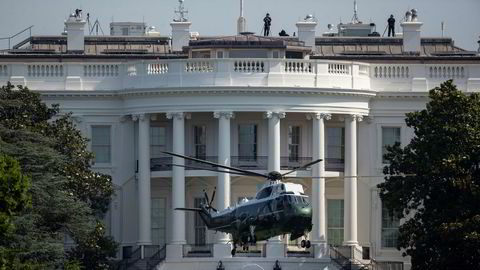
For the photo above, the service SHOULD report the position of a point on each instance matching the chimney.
(180, 29)
(241, 22)
(411, 33)
(180, 35)
(306, 30)
(75, 26)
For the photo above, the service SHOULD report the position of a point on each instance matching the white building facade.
(258, 113)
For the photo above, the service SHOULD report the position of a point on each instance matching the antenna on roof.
(355, 16)
(96, 25)
(443, 28)
(181, 12)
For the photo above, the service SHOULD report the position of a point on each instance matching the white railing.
(342, 69)
(155, 74)
(157, 68)
(298, 67)
(446, 71)
(45, 70)
(252, 66)
(199, 66)
(100, 70)
(391, 71)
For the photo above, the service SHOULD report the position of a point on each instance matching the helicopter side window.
(264, 193)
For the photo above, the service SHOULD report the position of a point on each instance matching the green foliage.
(68, 199)
(14, 195)
(14, 198)
(439, 192)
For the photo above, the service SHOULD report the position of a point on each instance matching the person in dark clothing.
(391, 26)
(283, 33)
(267, 22)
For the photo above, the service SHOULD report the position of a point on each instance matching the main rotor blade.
(303, 166)
(216, 164)
(209, 169)
(206, 198)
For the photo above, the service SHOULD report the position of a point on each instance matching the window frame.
(383, 210)
(91, 144)
(342, 216)
(403, 139)
(205, 134)
(298, 145)
(342, 143)
(158, 145)
(254, 156)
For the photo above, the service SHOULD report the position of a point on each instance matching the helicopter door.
(200, 228)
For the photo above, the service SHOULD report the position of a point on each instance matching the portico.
(225, 143)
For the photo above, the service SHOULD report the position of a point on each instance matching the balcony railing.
(292, 250)
(156, 74)
(198, 250)
(247, 163)
(257, 250)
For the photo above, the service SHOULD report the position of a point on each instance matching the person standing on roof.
(391, 26)
(267, 22)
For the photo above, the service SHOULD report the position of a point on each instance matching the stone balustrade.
(248, 72)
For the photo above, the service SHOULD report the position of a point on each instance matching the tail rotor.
(208, 202)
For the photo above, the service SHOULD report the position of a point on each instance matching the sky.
(218, 17)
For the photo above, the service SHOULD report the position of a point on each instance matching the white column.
(222, 247)
(144, 197)
(350, 184)
(275, 247)
(274, 139)
(178, 185)
(318, 183)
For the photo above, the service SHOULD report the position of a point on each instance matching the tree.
(434, 182)
(68, 198)
(14, 198)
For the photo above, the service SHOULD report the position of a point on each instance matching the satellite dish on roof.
(330, 27)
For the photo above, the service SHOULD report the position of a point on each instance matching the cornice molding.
(270, 114)
(318, 116)
(224, 114)
(178, 115)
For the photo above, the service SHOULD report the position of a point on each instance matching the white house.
(258, 103)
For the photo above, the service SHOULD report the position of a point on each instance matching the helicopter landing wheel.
(308, 244)
(303, 243)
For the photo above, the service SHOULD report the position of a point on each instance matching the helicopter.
(278, 208)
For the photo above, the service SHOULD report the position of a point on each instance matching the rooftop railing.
(249, 72)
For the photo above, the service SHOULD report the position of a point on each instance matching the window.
(247, 142)
(200, 142)
(159, 221)
(336, 143)
(293, 142)
(200, 228)
(390, 224)
(335, 210)
(101, 145)
(390, 136)
(264, 193)
(219, 54)
(157, 141)
(276, 54)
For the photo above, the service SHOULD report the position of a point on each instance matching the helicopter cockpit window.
(264, 193)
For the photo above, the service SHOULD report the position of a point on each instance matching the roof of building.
(246, 41)
(379, 47)
(105, 46)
